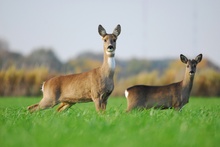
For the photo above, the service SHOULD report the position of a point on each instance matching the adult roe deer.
(95, 85)
(175, 95)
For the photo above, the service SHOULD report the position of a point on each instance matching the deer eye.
(187, 66)
(105, 40)
(114, 40)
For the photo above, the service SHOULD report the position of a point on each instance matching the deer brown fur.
(175, 95)
(95, 85)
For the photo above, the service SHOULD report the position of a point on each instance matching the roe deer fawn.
(175, 95)
(95, 85)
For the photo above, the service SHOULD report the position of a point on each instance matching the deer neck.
(187, 84)
(108, 66)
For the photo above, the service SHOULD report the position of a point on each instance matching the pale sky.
(151, 29)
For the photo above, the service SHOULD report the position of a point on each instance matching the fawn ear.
(198, 58)
(117, 30)
(101, 31)
(183, 59)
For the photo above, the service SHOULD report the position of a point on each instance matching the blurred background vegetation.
(23, 75)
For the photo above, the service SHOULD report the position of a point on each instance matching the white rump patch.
(126, 93)
(42, 88)
(111, 62)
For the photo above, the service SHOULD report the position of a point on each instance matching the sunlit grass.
(198, 124)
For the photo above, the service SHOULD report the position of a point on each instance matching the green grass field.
(198, 124)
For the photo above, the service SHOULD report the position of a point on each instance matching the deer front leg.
(103, 99)
(97, 104)
(103, 105)
(100, 104)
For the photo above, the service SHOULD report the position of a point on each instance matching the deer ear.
(183, 59)
(101, 31)
(117, 30)
(198, 58)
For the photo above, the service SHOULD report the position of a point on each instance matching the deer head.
(191, 64)
(109, 39)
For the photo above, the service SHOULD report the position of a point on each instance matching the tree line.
(23, 75)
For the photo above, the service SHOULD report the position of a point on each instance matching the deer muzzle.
(110, 48)
(191, 73)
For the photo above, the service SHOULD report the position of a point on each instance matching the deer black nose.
(191, 72)
(110, 47)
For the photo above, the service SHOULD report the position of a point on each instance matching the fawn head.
(191, 64)
(109, 39)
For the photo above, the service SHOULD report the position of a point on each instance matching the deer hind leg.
(129, 108)
(64, 106)
(43, 104)
(131, 105)
(33, 108)
(39, 106)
